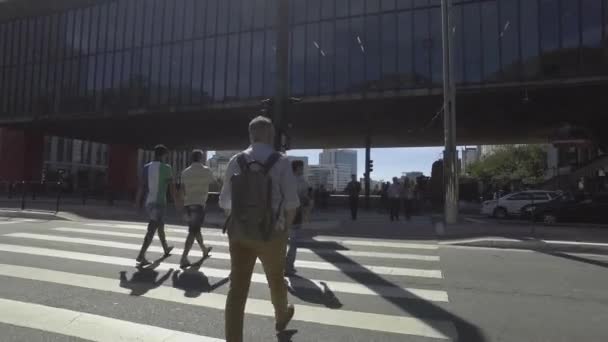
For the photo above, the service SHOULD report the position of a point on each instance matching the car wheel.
(549, 218)
(501, 213)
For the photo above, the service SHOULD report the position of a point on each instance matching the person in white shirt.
(301, 215)
(195, 191)
(243, 249)
(394, 196)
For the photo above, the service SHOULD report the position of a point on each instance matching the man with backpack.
(260, 198)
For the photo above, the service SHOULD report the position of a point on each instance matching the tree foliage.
(513, 163)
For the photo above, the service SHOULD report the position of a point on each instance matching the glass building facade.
(124, 55)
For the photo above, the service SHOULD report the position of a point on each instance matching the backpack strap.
(273, 159)
(242, 161)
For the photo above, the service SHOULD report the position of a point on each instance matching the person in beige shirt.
(195, 191)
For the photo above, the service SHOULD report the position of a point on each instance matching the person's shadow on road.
(194, 282)
(310, 292)
(144, 280)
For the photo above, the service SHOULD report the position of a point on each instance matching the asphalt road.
(75, 281)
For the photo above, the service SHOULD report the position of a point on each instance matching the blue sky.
(388, 162)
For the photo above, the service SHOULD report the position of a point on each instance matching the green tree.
(513, 163)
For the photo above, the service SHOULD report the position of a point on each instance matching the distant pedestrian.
(407, 194)
(301, 215)
(394, 197)
(260, 197)
(353, 189)
(195, 190)
(156, 180)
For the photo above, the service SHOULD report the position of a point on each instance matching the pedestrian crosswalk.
(368, 289)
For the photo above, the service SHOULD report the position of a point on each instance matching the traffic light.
(370, 166)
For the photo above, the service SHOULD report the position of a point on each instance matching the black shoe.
(142, 261)
(168, 251)
(280, 326)
(184, 264)
(290, 271)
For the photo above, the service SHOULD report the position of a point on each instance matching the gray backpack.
(252, 216)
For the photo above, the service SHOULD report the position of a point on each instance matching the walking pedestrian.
(260, 198)
(156, 180)
(301, 215)
(408, 196)
(195, 191)
(394, 196)
(353, 189)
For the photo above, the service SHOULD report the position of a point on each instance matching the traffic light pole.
(368, 146)
(450, 157)
(279, 113)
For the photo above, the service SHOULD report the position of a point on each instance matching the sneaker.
(206, 252)
(280, 326)
(142, 261)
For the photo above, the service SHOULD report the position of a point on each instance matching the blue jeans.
(294, 232)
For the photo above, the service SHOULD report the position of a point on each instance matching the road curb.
(31, 214)
(543, 246)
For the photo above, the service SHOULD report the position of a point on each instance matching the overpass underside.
(503, 114)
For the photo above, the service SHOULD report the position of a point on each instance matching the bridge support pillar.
(21, 155)
(122, 170)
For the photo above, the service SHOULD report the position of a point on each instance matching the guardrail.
(35, 189)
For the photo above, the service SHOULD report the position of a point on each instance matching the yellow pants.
(243, 254)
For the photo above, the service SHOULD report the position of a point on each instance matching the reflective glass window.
(232, 67)
(212, 15)
(117, 70)
(259, 13)
(313, 10)
(148, 20)
(422, 47)
(356, 54)
(341, 8)
(530, 63)
(270, 63)
(405, 45)
(176, 87)
(372, 6)
(312, 59)
(472, 42)
(179, 19)
(197, 70)
(591, 19)
(208, 73)
(326, 58)
(245, 65)
(341, 55)
(569, 24)
(328, 9)
(257, 64)
(222, 17)
(437, 47)
(404, 4)
(234, 9)
(549, 25)
(389, 49)
(157, 20)
(168, 18)
(155, 68)
(139, 12)
(145, 81)
(509, 38)
(388, 5)
(298, 11)
(200, 10)
(220, 68)
(246, 15)
(298, 60)
(357, 7)
(189, 18)
(130, 20)
(112, 24)
(165, 73)
(121, 24)
(490, 38)
(373, 57)
(187, 70)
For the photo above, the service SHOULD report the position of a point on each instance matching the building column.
(122, 170)
(21, 155)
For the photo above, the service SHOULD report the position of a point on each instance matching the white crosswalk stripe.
(87, 326)
(365, 269)
(385, 255)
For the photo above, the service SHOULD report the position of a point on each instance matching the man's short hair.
(259, 128)
(296, 164)
(197, 156)
(160, 151)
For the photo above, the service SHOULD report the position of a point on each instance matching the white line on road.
(376, 243)
(87, 326)
(334, 286)
(402, 256)
(326, 266)
(475, 220)
(19, 221)
(343, 318)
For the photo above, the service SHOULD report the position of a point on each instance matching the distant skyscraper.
(469, 156)
(343, 161)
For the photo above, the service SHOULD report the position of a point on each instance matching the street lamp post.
(450, 156)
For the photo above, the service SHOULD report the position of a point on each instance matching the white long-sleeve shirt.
(284, 183)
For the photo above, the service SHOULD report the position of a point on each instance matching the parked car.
(567, 208)
(517, 203)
